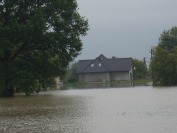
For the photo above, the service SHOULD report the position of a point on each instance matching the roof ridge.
(118, 58)
(105, 64)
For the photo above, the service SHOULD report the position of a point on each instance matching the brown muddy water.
(111, 110)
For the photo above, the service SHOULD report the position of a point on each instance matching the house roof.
(103, 64)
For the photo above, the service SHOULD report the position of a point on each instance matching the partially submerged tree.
(37, 40)
(164, 59)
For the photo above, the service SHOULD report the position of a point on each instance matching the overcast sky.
(125, 28)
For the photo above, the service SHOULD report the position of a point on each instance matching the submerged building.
(102, 69)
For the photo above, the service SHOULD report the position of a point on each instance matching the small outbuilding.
(104, 69)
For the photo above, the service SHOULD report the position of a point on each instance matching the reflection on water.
(104, 85)
(113, 110)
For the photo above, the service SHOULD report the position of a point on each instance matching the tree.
(168, 39)
(164, 59)
(37, 40)
(72, 73)
(140, 71)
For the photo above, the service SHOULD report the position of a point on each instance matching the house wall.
(94, 77)
(105, 77)
(120, 76)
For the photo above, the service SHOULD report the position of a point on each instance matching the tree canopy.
(164, 59)
(38, 38)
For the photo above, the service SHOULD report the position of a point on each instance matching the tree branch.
(17, 52)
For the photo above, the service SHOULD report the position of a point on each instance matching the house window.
(99, 64)
(92, 65)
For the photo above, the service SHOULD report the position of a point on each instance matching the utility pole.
(145, 67)
(151, 53)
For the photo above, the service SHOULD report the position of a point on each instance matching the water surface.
(110, 110)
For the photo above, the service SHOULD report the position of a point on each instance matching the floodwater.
(111, 110)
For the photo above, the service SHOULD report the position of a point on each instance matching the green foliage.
(168, 39)
(140, 71)
(164, 61)
(37, 40)
(71, 73)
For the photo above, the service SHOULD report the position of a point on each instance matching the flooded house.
(102, 69)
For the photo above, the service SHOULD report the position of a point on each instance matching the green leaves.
(140, 71)
(38, 39)
(168, 39)
(164, 61)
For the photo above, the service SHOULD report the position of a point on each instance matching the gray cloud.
(125, 28)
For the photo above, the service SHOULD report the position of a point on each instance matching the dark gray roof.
(103, 64)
